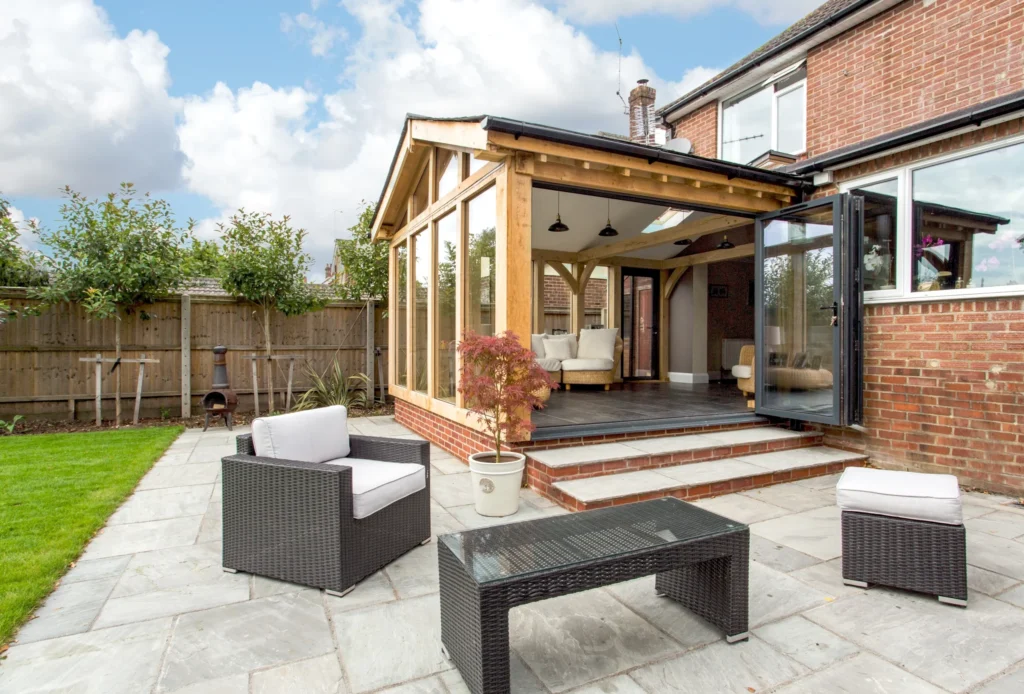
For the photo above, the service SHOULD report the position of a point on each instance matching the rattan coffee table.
(701, 560)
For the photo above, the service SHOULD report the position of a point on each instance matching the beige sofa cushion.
(913, 495)
(555, 348)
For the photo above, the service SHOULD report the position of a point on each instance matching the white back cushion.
(557, 349)
(597, 344)
(314, 436)
(570, 338)
(537, 345)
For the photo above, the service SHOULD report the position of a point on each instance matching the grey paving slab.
(521, 679)
(1014, 596)
(816, 532)
(448, 465)
(738, 437)
(950, 647)
(614, 486)
(246, 636)
(441, 521)
(576, 455)
(774, 595)
(469, 518)
(672, 444)
(369, 639)
(1002, 523)
(452, 490)
(863, 674)
(622, 684)
(721, 667)
(262, 587)
(800, 458)
(210, 530)
(741, 508)
(996, 554)
(672, 618)
(806, 642)
(92, 569)
(819, 483)
(711, 472)
(778, 556)
(161, 504)
(118, 540)
(70, 609)
(233, 684)
(576, 639)
(320, 675)
(536, 500)
(121, 660)
(827, 577)
(988, 582)
(180, 476)
(170, 601)
(174, 567)
(793, 497)
(1009, 683)
(415, 573)
(429, 685)
(373, 590)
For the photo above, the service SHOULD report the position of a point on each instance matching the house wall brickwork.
(918, 60)
(557, 294)
(701, 128)
(944, 391)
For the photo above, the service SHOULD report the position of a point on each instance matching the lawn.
(56, 491)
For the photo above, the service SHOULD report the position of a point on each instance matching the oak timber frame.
(513, 166)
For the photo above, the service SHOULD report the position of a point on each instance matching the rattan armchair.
(293, 520)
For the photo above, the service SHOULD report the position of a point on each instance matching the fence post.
(99, 390)
(186, 356)
(370, 328)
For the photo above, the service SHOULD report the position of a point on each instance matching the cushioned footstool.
(905, 530)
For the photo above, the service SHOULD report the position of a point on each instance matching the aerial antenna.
(618, 91)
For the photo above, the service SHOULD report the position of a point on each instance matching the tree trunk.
(270, 362)
(117, 371)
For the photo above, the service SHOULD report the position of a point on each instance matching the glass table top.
(561, 542)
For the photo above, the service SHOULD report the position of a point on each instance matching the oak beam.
(686, 230)
(714, 256)
(566, 275)
(673, 279)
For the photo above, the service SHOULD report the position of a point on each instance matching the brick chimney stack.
(641, 113)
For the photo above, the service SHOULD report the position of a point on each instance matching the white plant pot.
(496, 485)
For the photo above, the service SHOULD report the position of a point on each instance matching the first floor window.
(772, 117)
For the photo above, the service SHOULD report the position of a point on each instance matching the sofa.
(592, 359)
(802, 372)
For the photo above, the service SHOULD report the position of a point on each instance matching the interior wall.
(680, 334)
(730, 316)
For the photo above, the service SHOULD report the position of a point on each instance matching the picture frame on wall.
(718, 291)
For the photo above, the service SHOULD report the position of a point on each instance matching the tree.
(364, 275)
(263, 263)
(18, 268)
(114, 256)
(203, 259)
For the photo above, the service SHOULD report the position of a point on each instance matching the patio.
(148, 609)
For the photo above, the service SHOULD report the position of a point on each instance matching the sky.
(294, 107)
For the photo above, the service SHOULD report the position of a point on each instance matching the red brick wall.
(701, 128)
(916, 61)
(557, 295)
(944, 391)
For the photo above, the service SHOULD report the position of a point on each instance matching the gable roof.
(826, 15)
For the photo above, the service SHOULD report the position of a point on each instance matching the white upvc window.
(947, 227)
(773, 116)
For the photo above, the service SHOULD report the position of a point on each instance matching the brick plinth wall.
(944, 391)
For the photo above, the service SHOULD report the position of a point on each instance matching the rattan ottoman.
(701, 560)
(903, 530)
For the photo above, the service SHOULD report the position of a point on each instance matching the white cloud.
(80, 105)
(770, 12)
(321, 36)
(260, 147)
(27, 240)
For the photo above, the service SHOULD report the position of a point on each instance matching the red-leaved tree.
(501, 382)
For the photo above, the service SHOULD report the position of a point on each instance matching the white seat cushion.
(587, 364)
(313, 436)
(549, 364)
(537, 345)
(912, 495)
(555, 348)
(377, 484)
(740, 371)
(597, 344)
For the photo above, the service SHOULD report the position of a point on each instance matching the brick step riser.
(704, 491)
(542, 475)
(551, 444)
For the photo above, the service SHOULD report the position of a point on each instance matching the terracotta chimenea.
(221, 401)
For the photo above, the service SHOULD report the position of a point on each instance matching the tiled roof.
(210, 286)
(821, 16)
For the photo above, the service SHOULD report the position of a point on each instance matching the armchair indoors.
(305, 502)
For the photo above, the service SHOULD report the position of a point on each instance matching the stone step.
(544, 467)
(699, 480)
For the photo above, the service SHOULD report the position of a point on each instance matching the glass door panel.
(640, 324)
(798, 307)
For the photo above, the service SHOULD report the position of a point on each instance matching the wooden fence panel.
(40, 369)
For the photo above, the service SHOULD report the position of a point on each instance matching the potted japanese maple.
(501, 383)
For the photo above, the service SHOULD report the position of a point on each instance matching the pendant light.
(608, 229)
(559, 225)
(726, 244)
(684, 242)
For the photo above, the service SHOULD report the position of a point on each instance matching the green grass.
(56, 491)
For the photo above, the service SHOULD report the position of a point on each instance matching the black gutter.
(651, 154)
(973, 116)
(725, 77)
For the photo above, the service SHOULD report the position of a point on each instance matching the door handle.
(835, 313)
